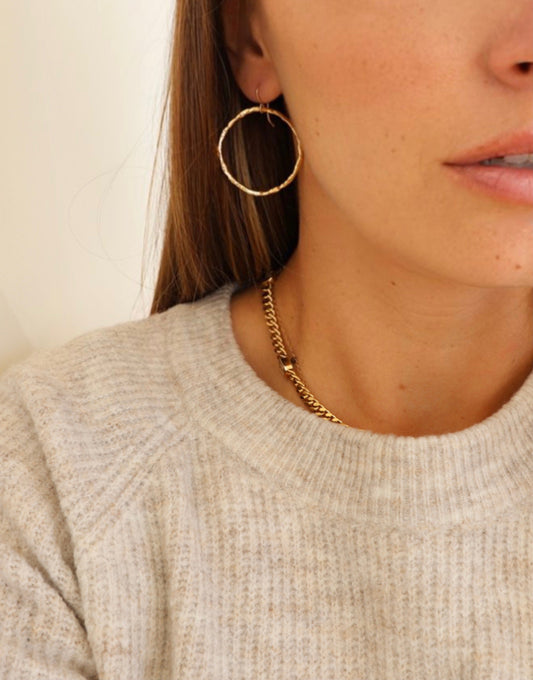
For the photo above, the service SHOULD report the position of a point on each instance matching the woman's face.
(382, 93)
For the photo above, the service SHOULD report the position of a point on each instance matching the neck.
(395, 351)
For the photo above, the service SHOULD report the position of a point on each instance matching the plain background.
(82, 95)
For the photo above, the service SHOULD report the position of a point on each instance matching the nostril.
(525, 66)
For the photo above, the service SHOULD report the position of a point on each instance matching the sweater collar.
(368, 477)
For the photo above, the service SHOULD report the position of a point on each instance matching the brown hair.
(214, 232)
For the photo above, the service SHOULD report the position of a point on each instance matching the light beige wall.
(82, 84)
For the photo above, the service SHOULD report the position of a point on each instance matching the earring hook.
(262, 106)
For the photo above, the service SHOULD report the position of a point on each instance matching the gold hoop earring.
(262, 108)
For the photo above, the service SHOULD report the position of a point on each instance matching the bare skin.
(409, 299)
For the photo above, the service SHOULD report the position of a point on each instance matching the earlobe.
(248, 58)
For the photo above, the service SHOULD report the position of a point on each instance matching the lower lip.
(510, 184)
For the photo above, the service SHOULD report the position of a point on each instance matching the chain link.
(287, 362)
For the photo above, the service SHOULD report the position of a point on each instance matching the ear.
(248, 56)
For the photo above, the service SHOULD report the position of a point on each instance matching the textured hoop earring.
(262, 108)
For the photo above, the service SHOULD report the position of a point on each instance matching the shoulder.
(94, 414)
(111, 360)
(86, 356)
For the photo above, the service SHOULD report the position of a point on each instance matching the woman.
(314, 458)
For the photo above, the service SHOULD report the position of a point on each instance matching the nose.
(510, 58)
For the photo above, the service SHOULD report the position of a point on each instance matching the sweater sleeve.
(42, 632)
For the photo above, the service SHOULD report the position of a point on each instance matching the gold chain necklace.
(287, 362)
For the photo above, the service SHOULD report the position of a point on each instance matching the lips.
(515, 143)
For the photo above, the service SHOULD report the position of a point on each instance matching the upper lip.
(515, 143)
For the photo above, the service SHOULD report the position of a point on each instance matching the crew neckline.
(369, 477)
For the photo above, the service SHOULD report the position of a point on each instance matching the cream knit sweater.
(165, 515)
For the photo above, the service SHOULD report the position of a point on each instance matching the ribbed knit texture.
(165, 514)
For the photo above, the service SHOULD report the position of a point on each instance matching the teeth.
(518, 160)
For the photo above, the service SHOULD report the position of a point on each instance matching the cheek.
(367, 75)
(354, 58)
(370, 93)
(355, 114)
(347, 90)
